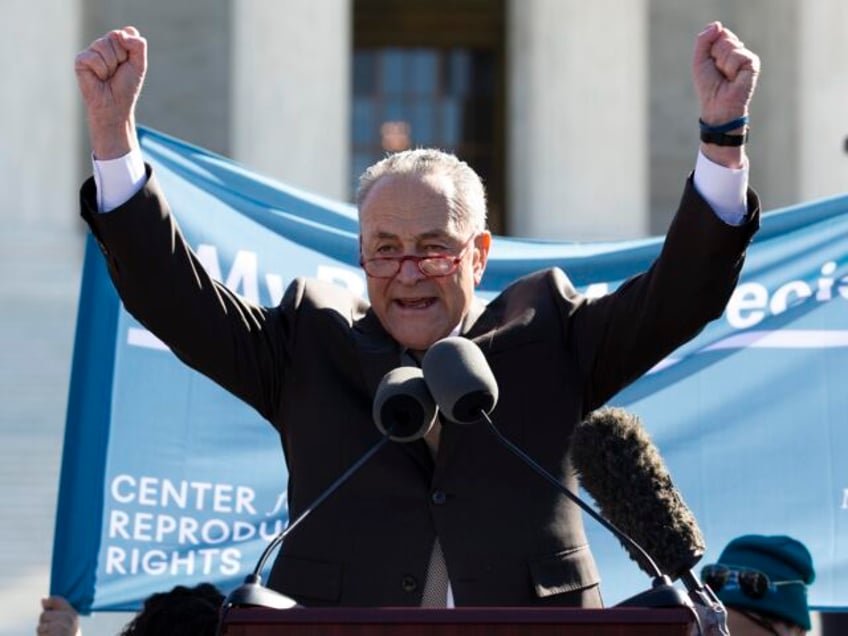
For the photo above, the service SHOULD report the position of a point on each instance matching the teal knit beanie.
(782, 559)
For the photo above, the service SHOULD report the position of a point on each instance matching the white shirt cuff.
(725, 189)
(117, 180)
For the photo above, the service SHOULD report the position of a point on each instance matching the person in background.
(182, 611)
(762, 581)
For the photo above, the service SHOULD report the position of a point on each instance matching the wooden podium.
(517, 621)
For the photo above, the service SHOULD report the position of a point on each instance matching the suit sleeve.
(622, 335)
(241, 346)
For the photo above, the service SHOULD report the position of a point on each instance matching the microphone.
(460, 379)
(403, 411)
(624, 472)
(465, 389)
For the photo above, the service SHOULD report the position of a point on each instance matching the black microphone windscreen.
(403, 407)
(460, 379)
(624, 472)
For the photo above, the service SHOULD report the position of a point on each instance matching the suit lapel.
(474, 323)
(378, 353)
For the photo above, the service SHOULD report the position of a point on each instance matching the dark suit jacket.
(311, 366)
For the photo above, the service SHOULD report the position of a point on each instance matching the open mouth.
(415, 303)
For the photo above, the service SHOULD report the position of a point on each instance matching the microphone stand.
(708, 605)
(662, 592)
(401, 398)
(252, 592)
(701, 601)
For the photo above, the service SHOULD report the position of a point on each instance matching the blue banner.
(168, 479)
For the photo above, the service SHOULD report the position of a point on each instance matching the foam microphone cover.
(624, 472)
(403, 407)
(460, 379)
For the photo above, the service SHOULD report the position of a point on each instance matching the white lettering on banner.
(845, 498)
(747, 297)
(206, 561)
(596, 290)
(148, 527)
(243, 279)
(184, 527)
(153, 491)
(274, 282)
(281, 502)
(342, 277)
(750, 303)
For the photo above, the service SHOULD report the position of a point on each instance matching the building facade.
(580, 116)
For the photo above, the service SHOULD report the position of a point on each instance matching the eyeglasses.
(752, 583)
(432, 265)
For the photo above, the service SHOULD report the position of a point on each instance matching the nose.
(409, 274)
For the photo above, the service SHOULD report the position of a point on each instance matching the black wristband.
(723, 139)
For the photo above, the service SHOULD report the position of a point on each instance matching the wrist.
(723, 141)
(724, 126)
(111, 140)
(737, 137)
(733, 157)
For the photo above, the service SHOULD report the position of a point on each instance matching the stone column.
(577, 110)
(40, 249)
(187, 89)
(39, 113)
(822, 124)
(291, 91)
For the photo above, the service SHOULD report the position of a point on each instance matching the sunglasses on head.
(752, 583)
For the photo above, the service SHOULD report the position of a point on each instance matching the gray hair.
(468, 199)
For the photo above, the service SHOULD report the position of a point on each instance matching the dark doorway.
(431, 73)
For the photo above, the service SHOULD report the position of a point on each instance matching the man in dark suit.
(311, 365)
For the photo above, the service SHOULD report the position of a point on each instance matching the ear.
(482, 244)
